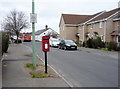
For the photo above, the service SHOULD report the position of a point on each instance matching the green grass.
(79, 45)
(29, 65)
(106, 49)
(39, 75)
(18, 43)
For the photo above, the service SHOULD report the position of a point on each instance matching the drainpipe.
(105, 28)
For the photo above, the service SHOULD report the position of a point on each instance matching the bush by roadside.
(5, 42)
(98, 44)
(94, 43)
(112, 46)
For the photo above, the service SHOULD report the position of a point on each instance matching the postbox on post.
(45, 43)
(45, 48)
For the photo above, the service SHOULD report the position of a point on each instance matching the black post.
(46, 62)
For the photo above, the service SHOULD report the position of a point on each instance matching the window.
(91, 26)
(100, 25)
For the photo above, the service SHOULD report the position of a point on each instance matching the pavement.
(14, 73)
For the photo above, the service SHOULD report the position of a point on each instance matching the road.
(81, 68)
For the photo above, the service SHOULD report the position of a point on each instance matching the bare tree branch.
(15, 22)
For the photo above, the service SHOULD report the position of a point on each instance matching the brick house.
(69, 25)
(103, 25)
(81, 27)
(115, 33)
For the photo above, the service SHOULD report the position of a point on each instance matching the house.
(115, 33)
(72, 26)
(102, 26)
(83, 33)
(82, 27)
(44, 32)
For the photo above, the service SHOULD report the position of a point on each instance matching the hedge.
(5, 42)
(97, 43)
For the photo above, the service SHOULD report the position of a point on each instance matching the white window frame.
(100, 24)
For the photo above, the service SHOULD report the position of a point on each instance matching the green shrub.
(89, 43)
(94, 43)
(112, 46)
(97, 43)
(5, 42)
(79, 45)
(84, 44)
(109, 46)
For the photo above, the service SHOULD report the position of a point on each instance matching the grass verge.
(39, 75)
(29, 65)
(36, 73)
(106, 49)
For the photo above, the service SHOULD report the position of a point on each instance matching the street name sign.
(33, 18)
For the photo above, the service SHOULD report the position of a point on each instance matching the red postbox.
(45, 43)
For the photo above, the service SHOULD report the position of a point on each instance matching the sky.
(49, 11)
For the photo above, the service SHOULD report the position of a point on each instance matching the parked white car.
(54, 42)
(14, 39)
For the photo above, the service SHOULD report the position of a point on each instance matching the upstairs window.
(91, 26)
(100, 24)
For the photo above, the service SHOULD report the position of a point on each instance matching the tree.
(15, 22)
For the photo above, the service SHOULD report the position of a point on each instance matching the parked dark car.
(67, 44)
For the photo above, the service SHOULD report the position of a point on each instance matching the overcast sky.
(49, 11)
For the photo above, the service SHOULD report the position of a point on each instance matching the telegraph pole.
(33, 36)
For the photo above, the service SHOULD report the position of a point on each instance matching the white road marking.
(57, 73)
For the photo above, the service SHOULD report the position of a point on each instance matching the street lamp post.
(33, 37)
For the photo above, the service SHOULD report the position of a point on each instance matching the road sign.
(33, 18)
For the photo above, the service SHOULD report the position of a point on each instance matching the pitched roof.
(73, 19)
(106, 15)
(117, 17)
(40, 31)
(43, 30)
(77, 19)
